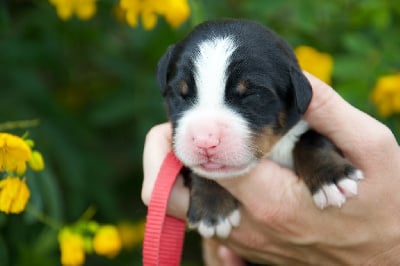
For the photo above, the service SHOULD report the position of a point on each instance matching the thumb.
(352, 130)
(157, 145)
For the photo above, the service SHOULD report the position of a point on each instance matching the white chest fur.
(282, 152)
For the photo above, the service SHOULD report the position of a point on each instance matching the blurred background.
(79, 76)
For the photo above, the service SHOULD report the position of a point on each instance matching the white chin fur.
(221, 174)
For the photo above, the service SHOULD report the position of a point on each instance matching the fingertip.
(228, 257)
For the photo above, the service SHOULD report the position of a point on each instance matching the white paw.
(221, 229)
(336, 194)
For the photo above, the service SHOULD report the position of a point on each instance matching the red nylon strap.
(164, 234)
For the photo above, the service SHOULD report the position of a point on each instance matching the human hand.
(280, 223)
(157, 145)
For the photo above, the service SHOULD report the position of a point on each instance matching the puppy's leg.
(212, 209)
(327, 173)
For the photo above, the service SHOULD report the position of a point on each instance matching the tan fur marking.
(282, 119)
(264, 141)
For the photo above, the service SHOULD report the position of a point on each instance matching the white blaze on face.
(211, 66)
(211, 138)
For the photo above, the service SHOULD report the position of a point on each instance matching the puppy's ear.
(162, 69)
(302, 90)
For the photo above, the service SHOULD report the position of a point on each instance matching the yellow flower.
(317, 63)
(71, 247)
(175, 12)
(36, 162)
(131, 233)
(84, 9)
(14, 153)
(14, 195)
(148, 10)
(386, 95)
(107, 241)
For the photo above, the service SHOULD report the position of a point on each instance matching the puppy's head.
(232, 89)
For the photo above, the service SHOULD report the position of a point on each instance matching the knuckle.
(382, 138)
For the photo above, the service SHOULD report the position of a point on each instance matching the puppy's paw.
(213, 211)
(220, 226)
(329, 175)
(336, 192)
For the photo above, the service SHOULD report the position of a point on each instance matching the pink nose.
(206, 136)
(206, 141)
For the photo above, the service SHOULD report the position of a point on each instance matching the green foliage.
(92, 86)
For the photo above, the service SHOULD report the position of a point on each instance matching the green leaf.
(3, 252)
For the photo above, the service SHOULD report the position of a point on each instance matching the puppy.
(235, 94)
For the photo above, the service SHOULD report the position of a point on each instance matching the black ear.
(301, 89)
(162, 69)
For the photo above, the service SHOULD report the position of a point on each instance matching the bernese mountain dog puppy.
(235, 94)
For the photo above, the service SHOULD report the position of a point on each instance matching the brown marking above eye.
(242, 87)
(183, 88)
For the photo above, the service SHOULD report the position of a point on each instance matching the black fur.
(271, 70)
(274, 94)
(319, 161)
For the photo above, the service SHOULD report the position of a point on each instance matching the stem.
(19, 124)
(42, 217)
(89, 213)
(197, 12)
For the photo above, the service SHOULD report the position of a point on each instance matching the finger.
(216, 254)
(157, 145)
(178, 202)
(353, 131)
(275, 185)
(228, 257)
